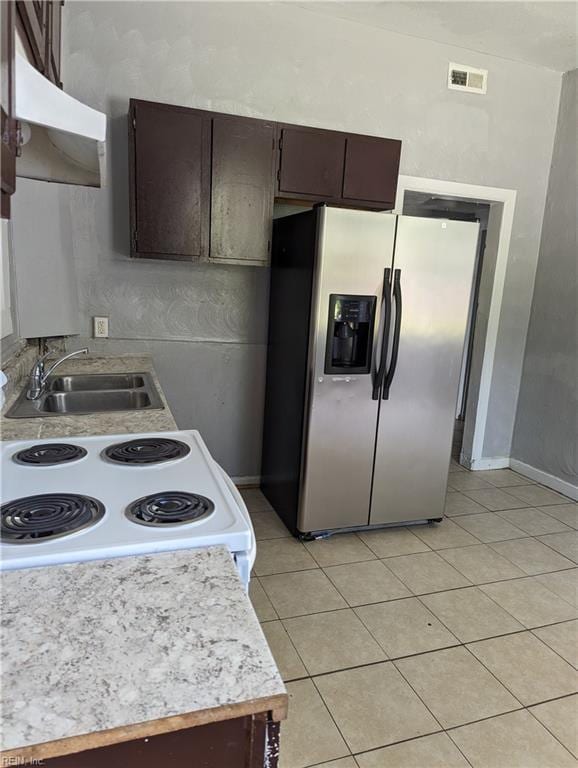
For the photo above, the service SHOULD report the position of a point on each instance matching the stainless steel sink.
(90, 393)
(92, 402)
(96, 382)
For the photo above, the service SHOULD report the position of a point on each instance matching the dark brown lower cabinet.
(245, 742)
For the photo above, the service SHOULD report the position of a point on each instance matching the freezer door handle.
(396, 332)
(386, 314)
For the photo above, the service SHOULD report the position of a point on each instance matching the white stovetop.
(116, 486)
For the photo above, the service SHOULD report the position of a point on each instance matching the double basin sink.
(86, 393)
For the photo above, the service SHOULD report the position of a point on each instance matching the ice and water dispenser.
(349, 334)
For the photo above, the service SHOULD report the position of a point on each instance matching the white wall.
(287, 63)
(5, 300)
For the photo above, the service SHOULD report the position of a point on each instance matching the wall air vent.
(470, 79)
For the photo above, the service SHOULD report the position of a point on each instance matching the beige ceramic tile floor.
(442, 646)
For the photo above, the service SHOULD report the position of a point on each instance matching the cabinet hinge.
(19, 140)
(279, 175)
(281, 143)
(134, 122)
(134, 240)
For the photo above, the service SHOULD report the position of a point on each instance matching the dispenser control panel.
(349, 333)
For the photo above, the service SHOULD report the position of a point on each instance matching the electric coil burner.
(125, 495)
(48, 454)
(47, 516)
(146, 450)
(169, 508)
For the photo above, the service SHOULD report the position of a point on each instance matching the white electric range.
(89, 498)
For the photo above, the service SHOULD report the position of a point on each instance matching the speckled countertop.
(110, 650)
(154, 420)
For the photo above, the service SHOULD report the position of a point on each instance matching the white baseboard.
(248, 480)
(550, 481)
(498, 462)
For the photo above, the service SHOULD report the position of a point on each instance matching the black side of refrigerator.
(292, 274)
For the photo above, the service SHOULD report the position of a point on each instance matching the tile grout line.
(326, 705)
(458, 644)
(268, 598)
(462, 724)
(553, 649)
(448, 730)
(540, 626)
(555, 550)
(529, 710)
(426, 594)
(500, 682)
(433, 650)
(572, 564)
(301, 659)
(524, 535)
(563, 499)
(534, 509)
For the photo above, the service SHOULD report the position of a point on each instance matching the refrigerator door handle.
(386, 314)
(396, 333)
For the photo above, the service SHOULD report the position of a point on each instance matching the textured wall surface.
(45, 281)
(207, 325)
(546, 432)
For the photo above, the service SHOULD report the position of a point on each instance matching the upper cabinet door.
(7, 121)
(311, 163)
(39, 23)
(169, 181)
(32, 20)
(242, 190)
(371, 169)
(53, 41)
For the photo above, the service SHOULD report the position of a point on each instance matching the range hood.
(63, 140)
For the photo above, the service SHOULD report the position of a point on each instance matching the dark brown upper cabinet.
(337, 168)
(39, 23)
(170, 161)
(242, 190)
(371, 169)
(8, 123)
(310, 163)
(53, 42)
(202, 184)
(39, 26)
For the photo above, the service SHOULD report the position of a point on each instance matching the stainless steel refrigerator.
(368, 315)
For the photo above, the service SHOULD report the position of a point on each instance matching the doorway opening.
(434, 206)
(495, 209)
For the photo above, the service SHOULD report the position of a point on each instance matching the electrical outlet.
(100, 327)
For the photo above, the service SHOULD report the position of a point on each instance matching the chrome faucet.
(38, 375)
